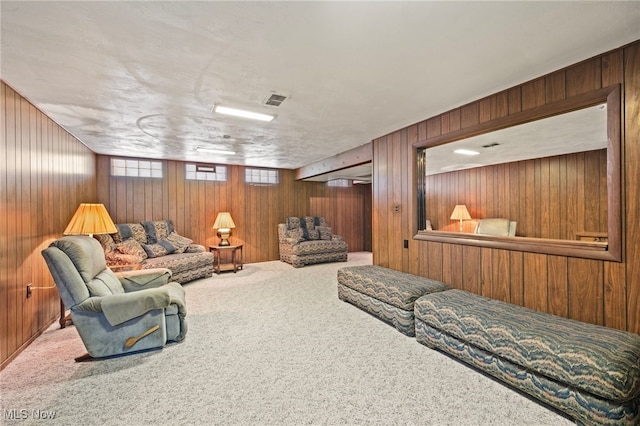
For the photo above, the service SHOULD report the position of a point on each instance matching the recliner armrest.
(119, 308)
(144, 279)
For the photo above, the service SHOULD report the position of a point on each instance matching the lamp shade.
(224, 221)
(90, 219)
(460, 212)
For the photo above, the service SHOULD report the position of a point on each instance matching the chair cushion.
(86, 254)
(104, 284)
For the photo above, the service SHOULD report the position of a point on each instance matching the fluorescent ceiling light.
(242, 113)
(214, 151)
(466, 152)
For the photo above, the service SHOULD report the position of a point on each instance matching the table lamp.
(223, 224)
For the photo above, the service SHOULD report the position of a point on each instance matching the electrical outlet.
(29, 290)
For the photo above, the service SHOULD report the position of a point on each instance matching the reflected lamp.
(460, 213)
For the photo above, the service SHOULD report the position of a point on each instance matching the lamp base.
(224, 237)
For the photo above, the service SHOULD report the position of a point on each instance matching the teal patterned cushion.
(130, 230)
(161, 248)
(131, 247)
(393, 287)
(324, 232)
(594, 359)
(157, 230)
(178, 242)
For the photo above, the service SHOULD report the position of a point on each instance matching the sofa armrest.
(195, 248)
(144, 279)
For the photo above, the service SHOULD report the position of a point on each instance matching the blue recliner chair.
(115, 313)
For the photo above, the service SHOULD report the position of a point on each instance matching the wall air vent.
(274, 100)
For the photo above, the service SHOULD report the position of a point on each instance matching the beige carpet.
(270, 345)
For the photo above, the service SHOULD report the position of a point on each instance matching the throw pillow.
(161, 248)
(131, 230)
(132, 247)
(312, 234)
(106, 241)
(297, 235)
(178, 242)
(293, 223)
(157, 230)
(115, 258)
(325, 232)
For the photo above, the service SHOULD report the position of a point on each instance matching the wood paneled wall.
(551, 197)
(256, 209)
(594, 291)
(45, 173)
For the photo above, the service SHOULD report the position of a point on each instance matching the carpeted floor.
(270, 345)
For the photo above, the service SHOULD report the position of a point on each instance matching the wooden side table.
(236, 258)
(66, 318)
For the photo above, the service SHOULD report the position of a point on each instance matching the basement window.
(206, 172)
(136, 168)
(261, 176)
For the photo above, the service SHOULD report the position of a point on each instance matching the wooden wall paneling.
(22, 205)
(486, 268)
(457, 272)
(394, 194)
(449, 262)
(584, 77)
(555, 87)
(516, 267)
(586, 299)
(471, 260)
(500, 273)
(592, 193)
(615, 296)
(435, 260)
(44, 173)
(552, 220)
(558, 286)
(381, 250)
(409, 226)
(533, 94)
(407, 203)
(543, 218)
(632, 178)
(7, 272)
(535, 281)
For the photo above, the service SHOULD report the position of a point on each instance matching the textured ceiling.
(139, 78)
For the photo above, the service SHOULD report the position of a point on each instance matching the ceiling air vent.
(274, 100)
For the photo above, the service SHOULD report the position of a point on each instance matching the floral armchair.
(309, 239)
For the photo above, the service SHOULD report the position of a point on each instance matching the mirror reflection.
(542, 179)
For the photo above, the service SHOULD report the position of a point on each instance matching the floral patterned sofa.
(156, 244)
(308, 239)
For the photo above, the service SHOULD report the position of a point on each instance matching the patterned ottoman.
(589, 372)
(385, 293)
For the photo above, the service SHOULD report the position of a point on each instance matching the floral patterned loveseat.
(156, 244)
(308, 239)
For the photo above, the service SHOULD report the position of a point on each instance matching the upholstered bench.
(589, 372)
(387, 294)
